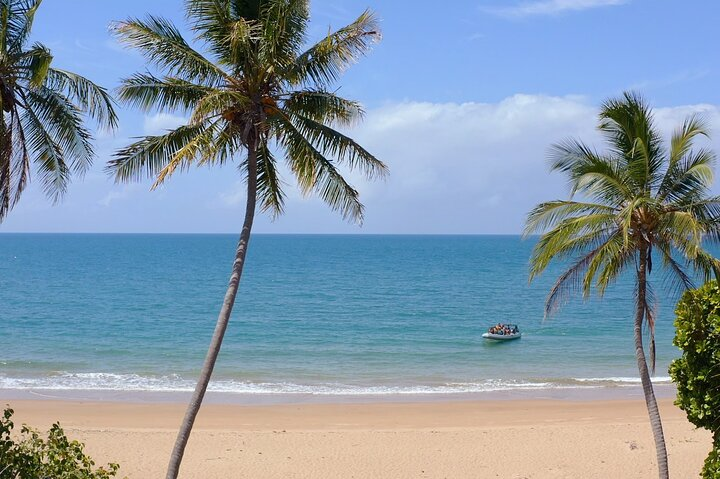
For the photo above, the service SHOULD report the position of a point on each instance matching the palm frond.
(148, 156)
(341, 147)
(36, 63)
(148, 92)
(681, 141)
(44, 111)
(610, 263)
(270, 190)
(548, 214)
(707, 265)
(230, 31)
(162, 43)
(707, 212)
(20, 157)
(572, 279)
(61, 119)
(689, 179)
(627, 123)
(589, 173)
(324, 62)
(314, 172)
(6, 176)
(676, 276)
(48, 156)
(23, 14)
(16, 19)
(682, 225)
(209, 18)
(220, 102)
(284, 24)
(92, 99)
(202, 148)
(324, 107)
(571, 236)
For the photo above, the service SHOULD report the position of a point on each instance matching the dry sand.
(478, 439)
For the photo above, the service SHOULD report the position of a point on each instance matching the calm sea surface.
(319, 315)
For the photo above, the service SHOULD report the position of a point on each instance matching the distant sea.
(317, 316)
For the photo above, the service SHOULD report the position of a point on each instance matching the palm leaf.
(23, 16)
(314, 172)
(48, 156)
(148, 92)
(324, 107)
(333, 143)
(62, 120)
(36, 63)
(269, 185)
(90, 98)
(284, 23)
(590, 173)
(572, 279)
(549, 214)
(162, 44)
(148, 156)
(323, 63)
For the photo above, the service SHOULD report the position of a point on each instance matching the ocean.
(318, 316)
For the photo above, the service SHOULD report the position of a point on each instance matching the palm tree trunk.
(650, 400)
(222, 322)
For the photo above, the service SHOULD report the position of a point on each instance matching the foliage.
(32, 457)
(697, 372)
(41, 111)
(642, 199)
(254, 94)
(256, 89)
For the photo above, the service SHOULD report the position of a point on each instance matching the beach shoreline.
(628, 392)
(539, 438)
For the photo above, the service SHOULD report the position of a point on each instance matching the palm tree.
(641, 200)
(41, 111)
(254, 96)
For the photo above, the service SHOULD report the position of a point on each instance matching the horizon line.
(237, 233)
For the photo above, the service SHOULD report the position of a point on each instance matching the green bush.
(697, 372)
(29, 456)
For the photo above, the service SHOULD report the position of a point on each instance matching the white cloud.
(458, 167)
(551, 7)
(475, 167)
(80, 45)
(118, 193)
(161, 122)
(454, 168)
(233, 197)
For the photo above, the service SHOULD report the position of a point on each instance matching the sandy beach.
(472, 439)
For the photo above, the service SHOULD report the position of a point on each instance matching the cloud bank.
(160, 123)
(477, 167)
(454, 168)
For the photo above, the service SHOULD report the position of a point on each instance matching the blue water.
(315, 314)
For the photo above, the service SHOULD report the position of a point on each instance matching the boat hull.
(502, 337)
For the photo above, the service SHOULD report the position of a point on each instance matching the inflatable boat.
(503, 332)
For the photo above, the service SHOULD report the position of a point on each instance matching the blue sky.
(463, 99)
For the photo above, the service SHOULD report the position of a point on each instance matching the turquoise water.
(318, 315)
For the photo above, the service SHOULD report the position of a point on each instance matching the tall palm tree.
(640, 199)
(42, 110)
(255, 95)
